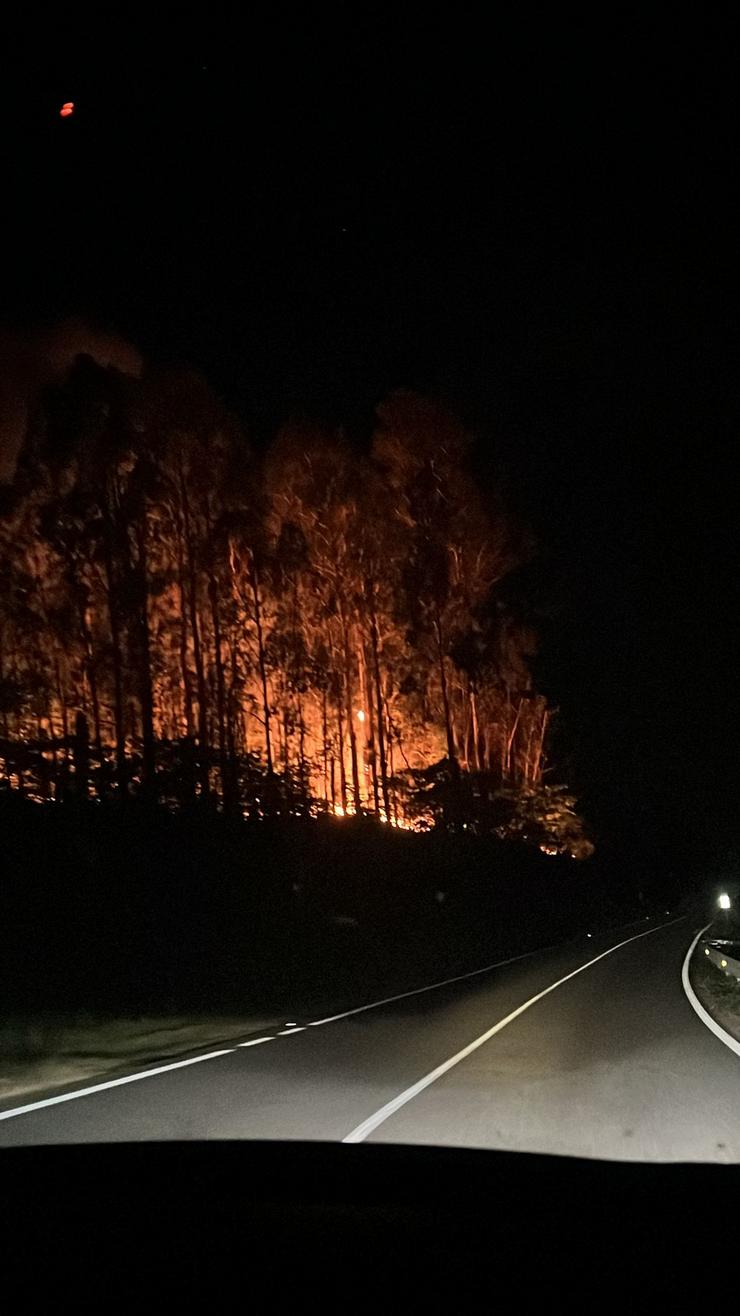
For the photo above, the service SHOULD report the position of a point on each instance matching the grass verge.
(44, 1053)
(718, 991)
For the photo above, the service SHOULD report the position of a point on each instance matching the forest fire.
(315, 632)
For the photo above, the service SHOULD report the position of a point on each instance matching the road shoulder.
(713, 991)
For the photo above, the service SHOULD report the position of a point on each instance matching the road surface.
(582, 1049)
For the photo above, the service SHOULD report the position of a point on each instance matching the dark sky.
(536, 221)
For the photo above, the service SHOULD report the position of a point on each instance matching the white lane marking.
(288, 1032)
(694, 1001)
(111, 1083)
(256, 1041)
(367, 1126)
(431, 987)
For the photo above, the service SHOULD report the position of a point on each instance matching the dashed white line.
(111, 1083)
(361, 1132)
(256, 1041)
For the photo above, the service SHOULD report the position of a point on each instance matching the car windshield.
(368, 750)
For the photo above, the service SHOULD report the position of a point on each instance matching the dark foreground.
(612, 1063)
(219, 1221)
(116, 912)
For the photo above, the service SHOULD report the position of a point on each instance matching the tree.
(321, 628)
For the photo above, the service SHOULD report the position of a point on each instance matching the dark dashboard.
(105, 1221)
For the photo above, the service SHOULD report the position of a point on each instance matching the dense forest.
(300, 630)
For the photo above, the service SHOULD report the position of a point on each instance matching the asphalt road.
(611, 1062)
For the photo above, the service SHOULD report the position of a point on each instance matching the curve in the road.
(696, 1004)
(363, 1130)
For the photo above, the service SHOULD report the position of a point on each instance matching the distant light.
(589, 934)
(724, 901)
(723, 963)
(706, 950)
(360, 715)
(67, 109)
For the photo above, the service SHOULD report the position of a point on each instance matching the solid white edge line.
(256, 1041)
(111, 1083)
(696, 1004)
(360, 1133)
(288, 1032)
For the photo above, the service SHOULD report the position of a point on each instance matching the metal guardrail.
(725, 962)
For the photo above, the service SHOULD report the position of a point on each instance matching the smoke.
(30, 361)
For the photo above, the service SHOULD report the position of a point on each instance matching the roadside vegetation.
(718, 988)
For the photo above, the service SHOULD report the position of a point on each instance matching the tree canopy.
(315, 630)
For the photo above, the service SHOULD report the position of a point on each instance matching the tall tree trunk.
(92, 682)
(53, 737)
(254, 583)
(184, 668)
(62, 707)
(459, 717)
(117, 658)
(537, 763)
(81, 757)
(445, 694)
(526, 755)
(325, 743)
(350, 716)
(342, 769)
(391, 770)
(231, 728)
(220, 682)
(43, 774)
(370, 722)
(146, 693)
(474, 727)
(6, 731)
(510, 739)
(379, 708)
(366, 722)
(200, 679)
(302, 752)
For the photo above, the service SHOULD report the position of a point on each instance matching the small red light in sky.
(67, 109)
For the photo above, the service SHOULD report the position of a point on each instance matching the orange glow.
(67, 109)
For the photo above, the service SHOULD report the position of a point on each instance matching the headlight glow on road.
(724, 901)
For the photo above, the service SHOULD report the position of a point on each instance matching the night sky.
(536, 223)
